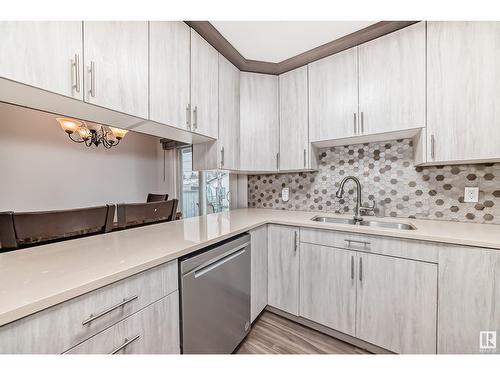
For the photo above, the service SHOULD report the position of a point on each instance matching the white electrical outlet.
(285, 194)
(471, 194)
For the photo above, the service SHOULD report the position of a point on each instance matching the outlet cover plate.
(285, 194)
(471, 194)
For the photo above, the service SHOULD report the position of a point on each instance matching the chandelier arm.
(75, 140)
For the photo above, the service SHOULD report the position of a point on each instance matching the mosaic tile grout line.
(388, 176)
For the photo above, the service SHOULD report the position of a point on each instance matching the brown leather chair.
(173, 215)
(157, 197)
(136, 214)
(24, 229)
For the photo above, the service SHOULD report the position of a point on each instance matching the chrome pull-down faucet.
(340, 194)
(359, 207)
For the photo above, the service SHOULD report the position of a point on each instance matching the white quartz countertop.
(40, 277)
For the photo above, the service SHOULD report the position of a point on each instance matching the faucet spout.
(340, 194)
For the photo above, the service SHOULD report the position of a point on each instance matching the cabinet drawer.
(410, 249)
(63, 326)
(153, 330)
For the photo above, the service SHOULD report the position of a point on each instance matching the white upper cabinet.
(463, 111)
(169, 64)
(116, 66)
(204, 87)
(392, 81)
(259, 122)
(333, 96)
(229, 115)
(47, 55)
(294, 122)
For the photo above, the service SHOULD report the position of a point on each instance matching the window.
(215, 194)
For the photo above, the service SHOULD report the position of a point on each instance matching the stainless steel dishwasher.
(215, 297)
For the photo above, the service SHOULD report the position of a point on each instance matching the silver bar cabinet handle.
(364, 243)
(278, 161)
(93, 317)
(77, 73)
(126, 343)
(296, 241)
(188, 116)
(355, 124)
(352, 267)
(362, 123)
(360, 269)
(195, 117)
(305, 158)
(222, 156)
(433, 146)
(92, 79)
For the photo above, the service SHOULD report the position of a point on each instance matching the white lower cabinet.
(283, 268)
(68, 324)
(153, 330)
(397, 304)
(469, 300)
(258, 295)
(387, 301)
(328, 286)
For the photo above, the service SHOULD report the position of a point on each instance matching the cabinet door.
(463, 84)
(328, 286)
(397, 303)
(392, 81)
(229, 114)
(204, 87)
(153, 330)
(283, 268)
(294, 122)
(169, 63)
(333, 96)
(259, 122)
(47, 55)
(116, 66)
(469, 300)
(259, 270)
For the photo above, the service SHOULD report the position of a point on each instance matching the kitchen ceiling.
(275, 41)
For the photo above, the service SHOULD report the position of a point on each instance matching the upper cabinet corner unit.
(463, 111)
(116, 65)
(294, 146)
(259, 123)
(377, 87)
(223, 153)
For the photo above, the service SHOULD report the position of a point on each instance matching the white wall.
(41, 169)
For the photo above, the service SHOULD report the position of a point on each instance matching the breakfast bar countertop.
(36, 278)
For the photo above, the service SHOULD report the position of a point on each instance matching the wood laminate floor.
(273, 334)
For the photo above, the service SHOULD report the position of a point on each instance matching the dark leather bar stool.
(157, 197)
(24, 229)
(135, 214)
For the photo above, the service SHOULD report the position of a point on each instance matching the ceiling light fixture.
(91, 134)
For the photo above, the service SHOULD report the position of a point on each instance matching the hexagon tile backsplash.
(388, 176)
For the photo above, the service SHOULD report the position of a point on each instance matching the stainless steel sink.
(364, 223)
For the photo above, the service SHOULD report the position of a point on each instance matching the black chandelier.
(80, 132)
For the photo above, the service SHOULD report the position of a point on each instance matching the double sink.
(364, 223)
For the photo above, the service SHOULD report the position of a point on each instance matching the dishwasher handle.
(230, 255)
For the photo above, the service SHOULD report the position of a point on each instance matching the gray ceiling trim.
(221, 44)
